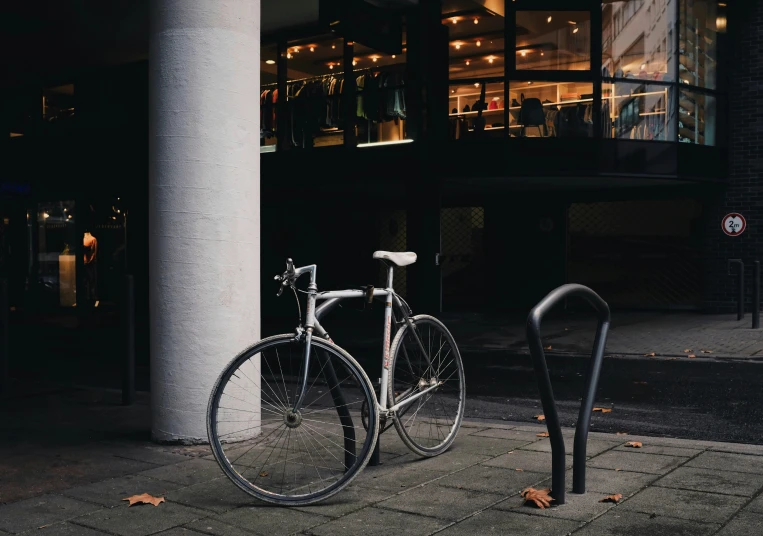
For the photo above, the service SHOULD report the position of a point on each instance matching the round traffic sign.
(733, 224)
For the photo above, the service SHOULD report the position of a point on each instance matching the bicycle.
(296, 445)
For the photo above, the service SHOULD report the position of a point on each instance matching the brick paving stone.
(180, 531)
(348, 500)
(449, 461)
(610, 482)
(618, 522)
(699, 479)
(487, 446)
(38, 511)
(492, 480)
(756, 505)
(650, 448)
(691, 505)
(186, 473)
(513, 434)
(218, 495)
(537, 462)
(593, 448)
(395, 478)
(723, 461)
(373, 521)
(111, 492)
(216, 527)
(67, 529)
(140, 520)
(269, 520)
(576, 507)
(636, 462)
(441, 502)
(509, 523)
(737, 448)
(744, 523)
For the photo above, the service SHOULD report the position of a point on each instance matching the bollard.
(5, 383)
(756, 295)
(128, 339)
(558, 454)
(740, 299)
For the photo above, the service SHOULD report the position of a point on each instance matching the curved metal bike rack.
(546, 392)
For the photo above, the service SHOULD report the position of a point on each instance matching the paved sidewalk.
(670, 486)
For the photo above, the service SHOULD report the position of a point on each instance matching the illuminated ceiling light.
(490, 59)
(476, 84)
(45, 215)
(458, 46)
(354, 62)
(476, 20)
(452, 90)
(333, 46)
(288, 55)
(312, 49)
(374, 59)
(575, 30)
(548, 20)
(270, 62)
(394, 56)
(524, 53)
(720, 22)
(479, 43)
(643, 66)
(467, 63)
(571, 22)
(331, 65)
(541, 53)
(454, 20)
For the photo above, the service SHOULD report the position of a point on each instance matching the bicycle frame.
(330, 300)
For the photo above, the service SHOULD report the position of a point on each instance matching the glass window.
(696, 118)
(268, 97)
(465, 104)
(638, 39)
(476, 37)
(314, 84)
(57, 247)
(698, 37)
(638, 111)
(380, 115)
(553, 40)
(551, 109)
(58, 104)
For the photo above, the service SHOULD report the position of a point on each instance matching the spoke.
(327, 439)
(282, 378)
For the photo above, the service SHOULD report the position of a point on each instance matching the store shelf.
(484, 112)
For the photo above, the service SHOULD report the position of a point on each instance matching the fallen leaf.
(603, 410)
(542, 434)
(691, 356)
(621, 433)
(547, 347)
(634, 444)
(687, 351)
(618, 469)
(650, 354)
(264, 474)
(144, 498)
(612, 498)
(540, 417)
(540, 497)
(518, 470)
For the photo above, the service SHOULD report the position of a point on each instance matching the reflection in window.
(314, 84)
(638, 111)
(638, 40)
(380, 103)
(697, 49)
(268, 97)
(551, 109)
(476, 113)
(553, 40)
(476, 39)
(696, 118)
(57, 245)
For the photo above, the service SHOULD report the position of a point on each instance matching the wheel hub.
(292, 419)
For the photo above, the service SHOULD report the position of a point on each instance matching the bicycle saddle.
(402, 258)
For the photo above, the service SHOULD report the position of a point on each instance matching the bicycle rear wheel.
(290, 457)
(429, 424)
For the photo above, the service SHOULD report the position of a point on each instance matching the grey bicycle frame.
(331, 299)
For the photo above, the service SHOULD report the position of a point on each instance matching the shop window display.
(57, 243)
(476, 39)
(638, 111)
(268, 97)
(700, 21)
(553, 40)
(477, 109)
(551, 109)
(696, 118)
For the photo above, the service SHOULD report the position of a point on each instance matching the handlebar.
(288, 278)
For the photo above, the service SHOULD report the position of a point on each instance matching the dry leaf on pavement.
(634, 444)
(618, 469)
(613, 498)
(518, 470)
(621, 433)
(650, 354)
(540, 417)
(540, 497)
(542, 434)
(144, 498)
(691, 356)
(603, 410)
(687, 351)
(264, 474)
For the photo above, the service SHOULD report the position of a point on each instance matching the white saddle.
(402, 258)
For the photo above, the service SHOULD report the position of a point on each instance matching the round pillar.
(204, 204)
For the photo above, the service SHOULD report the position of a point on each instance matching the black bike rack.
(558, 452)
(740, 284)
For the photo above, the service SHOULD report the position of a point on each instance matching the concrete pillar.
(204, 202)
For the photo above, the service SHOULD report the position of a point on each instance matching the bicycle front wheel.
(280, 455)
(427, 359)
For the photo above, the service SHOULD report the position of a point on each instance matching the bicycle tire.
(449, 394)
(305, 489)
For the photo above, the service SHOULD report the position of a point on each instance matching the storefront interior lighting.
(45, 215)
(476, 20)
(720, 22)
(374, 58)
(288, 55)
(331, 65)
(312, 48)
(523, 53)
(467, 63)
(333, 46)
(490, 59)
(575, 30)
(378, 143)
(548, 20)
(394, 56)
(458, 46)
(479, 43)
(454, 20)
(270, 62)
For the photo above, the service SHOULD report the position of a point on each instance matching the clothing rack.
(337, 74)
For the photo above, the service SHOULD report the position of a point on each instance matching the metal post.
(348, 428)
(547, 395)
(756, 295)
(5, 384)
(375, 456)
(740, 299)
(128, 334)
